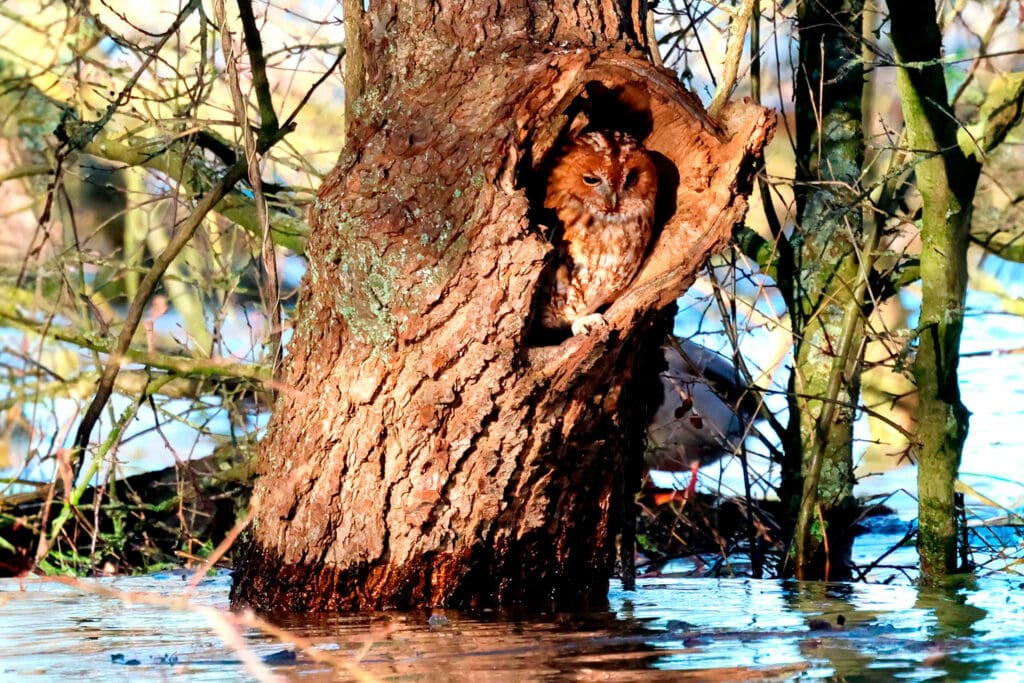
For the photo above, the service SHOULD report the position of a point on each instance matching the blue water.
(728, 629)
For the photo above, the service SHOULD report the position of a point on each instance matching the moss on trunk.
(947, 180)
(818, 476)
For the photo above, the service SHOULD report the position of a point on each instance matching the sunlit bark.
(820, 288)
(422, 451)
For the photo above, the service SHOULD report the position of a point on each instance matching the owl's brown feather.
(602, 189)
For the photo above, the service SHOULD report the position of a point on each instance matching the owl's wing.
(552, 315)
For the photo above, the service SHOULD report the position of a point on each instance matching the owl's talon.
(588, 323)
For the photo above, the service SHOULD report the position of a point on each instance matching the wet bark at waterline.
(947, 180)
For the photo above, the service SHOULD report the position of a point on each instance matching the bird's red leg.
(691, 489)
(687, 493)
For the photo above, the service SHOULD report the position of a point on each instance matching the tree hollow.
(423, 452)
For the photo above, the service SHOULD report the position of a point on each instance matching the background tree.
(110, 105)
(822, 278)
(846, 255)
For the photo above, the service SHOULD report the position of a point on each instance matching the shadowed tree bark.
(423, 452)
(821, 291)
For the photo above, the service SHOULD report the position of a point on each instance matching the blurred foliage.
(115, 121)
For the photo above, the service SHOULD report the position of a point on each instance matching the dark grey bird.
(705, 413)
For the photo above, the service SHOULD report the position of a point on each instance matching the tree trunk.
(947, 180)
(818, 477)
(422, 452)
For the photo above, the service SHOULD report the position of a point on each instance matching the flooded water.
(669, 629)
(672, 628)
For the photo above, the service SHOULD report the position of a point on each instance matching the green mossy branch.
(1000, 112)
(946, 179)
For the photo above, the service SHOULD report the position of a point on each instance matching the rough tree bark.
(818, 477)
(423, 452)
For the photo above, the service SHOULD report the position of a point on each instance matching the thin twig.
(260, 83)
(733, 55)
(269, 285)
(997, 18)
(146, 288)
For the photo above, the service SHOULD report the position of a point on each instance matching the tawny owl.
(602, 188)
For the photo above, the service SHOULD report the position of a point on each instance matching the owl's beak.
(611, 200)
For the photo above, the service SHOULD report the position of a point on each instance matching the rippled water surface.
(669, 629)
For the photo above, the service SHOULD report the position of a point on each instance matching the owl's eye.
(631, 179)
(591, 179)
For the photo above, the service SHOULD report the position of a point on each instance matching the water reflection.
(914, 634)
(669, 629)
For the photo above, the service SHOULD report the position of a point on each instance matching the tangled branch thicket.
(120, 135)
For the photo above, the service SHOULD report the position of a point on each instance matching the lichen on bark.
(484, 469)
(947, 179)
(827, 244)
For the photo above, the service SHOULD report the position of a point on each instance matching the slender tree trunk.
(422, 451)
(818, 476)
(355, 57)
(947, 180)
